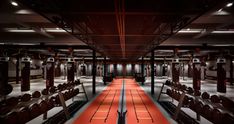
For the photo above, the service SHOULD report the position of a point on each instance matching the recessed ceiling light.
(57, 28)
(229, 4)
(14, 3)
(188, 29)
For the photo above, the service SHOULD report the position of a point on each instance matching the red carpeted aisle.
(103, 110)
(141, 109)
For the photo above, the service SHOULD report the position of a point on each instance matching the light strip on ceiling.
(15, 30)
(222, 45)
(190, 30)
(223, 32)
(20, 30)
(55, 30)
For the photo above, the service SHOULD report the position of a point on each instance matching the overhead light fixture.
(24, 12)
(15, 30)
(220, 10)
(14, 3)
(56, 30)
(190, 30)
(229, 4)
(223, 32)
(222, 45)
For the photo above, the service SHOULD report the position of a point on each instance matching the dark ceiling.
(120, 29)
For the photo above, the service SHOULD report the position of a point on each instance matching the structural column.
(70, 70)
(175, 70)
(94, 72)
(104, 71)
(49, 73)
(152, 72)
(142, 70)
(25, 74)
(221, 75)
(196, 74)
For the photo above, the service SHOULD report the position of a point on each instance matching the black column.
(25, 74)
(142, 70)
(94, 72)
(152, 72)
(50, 73)
(104, 71)
(221, 75)
(17, 69)
(70, 70)
(196, 74)
(231, 71)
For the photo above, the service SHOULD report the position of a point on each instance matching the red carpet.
(103, 110)
(141, 109)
